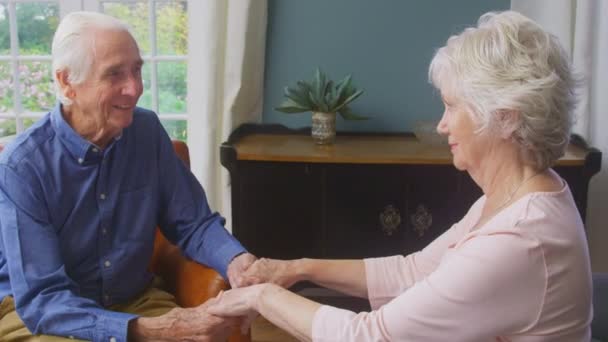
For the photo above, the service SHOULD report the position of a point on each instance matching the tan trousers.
(151, 303)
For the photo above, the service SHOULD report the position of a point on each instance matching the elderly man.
(81, 193)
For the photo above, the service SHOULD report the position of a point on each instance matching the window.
(26, 31)
(26, 85)
(161, 30)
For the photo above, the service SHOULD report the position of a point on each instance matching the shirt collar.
(81, 149)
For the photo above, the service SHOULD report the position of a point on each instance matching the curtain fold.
(582, 27)
(225, 84)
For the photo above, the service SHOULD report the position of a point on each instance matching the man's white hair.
(73, 48)
(508, 63)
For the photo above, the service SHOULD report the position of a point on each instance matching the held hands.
(281, 272)
(237, 268)
(180, 324)
(240, 303)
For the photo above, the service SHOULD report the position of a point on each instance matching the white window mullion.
(153, 65)
(17, 105)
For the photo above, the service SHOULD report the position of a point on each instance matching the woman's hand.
(281, 272)
(241, 302)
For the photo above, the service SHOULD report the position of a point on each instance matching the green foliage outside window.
(37, 23)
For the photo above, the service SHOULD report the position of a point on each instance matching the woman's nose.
(442, 126)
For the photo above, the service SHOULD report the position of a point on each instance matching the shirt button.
(104, 231)
(107, 263)
(106, 297)
(112, 339)
(80, 160)
(95, 149)
(102, 196)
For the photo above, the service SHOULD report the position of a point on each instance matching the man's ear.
(508, 122)
(65, 85)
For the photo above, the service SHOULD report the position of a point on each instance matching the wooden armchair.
(190, 282)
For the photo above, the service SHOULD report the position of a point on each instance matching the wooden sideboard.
(367, 195)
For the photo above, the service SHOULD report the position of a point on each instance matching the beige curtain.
(225, 82)
(582, 26)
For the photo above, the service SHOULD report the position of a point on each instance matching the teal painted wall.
(386, 44)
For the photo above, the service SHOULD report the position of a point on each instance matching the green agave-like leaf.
(347, 114)
(298, 96)
(332, 99)
(316, 103)
(342, 85)
(289, 106)
(350, 99)
(318, 84)
(322, 95)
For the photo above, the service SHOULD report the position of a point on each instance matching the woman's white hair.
(509, 64)
(73, 46)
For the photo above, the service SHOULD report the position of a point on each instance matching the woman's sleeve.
(489, 285)
(389, 276)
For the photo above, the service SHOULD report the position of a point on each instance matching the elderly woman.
(516, 267)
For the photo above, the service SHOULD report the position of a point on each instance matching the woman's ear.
(65, 85)
(508, 122)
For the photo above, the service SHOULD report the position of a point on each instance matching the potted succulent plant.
(324, 98)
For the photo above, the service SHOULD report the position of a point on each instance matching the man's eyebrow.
(118, 66)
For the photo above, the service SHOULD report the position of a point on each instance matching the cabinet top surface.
(358, 149)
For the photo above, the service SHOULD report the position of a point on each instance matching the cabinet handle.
(422, 220)
(390, 219)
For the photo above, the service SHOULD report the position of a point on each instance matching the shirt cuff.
(113, 326)
(225, 247)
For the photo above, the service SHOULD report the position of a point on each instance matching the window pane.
(172, 87)
(177, 129)
(6, 87)
(136, 16)
(37, 91)
(145, 101)
(172, 28)
(5, 37)
(27, 122)
(36, 24)
(7, 127)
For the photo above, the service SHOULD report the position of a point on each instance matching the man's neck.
(87, 127)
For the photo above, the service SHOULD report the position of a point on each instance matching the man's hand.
(281, 272)
(180, 324)
(237, 267)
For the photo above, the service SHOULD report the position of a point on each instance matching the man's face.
(113, 86)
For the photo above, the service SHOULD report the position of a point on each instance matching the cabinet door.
(438, 197)
(365, 208)
(277, 209)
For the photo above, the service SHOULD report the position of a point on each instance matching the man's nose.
(132, 86)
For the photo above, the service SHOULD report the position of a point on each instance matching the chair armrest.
(190, 282)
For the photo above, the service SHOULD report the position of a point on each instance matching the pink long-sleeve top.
(522, 276)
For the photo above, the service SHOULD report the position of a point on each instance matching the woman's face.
(468, 147)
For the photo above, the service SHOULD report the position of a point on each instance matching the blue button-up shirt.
(78, 223)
